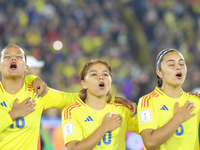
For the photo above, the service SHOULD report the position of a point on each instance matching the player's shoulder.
(190, 96)
(118, 106)
(146, 100)
(154, 94)
(72, 108)
(77, 104)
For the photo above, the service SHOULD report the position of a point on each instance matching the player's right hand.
(111, 123)
(22, 109)
(183, 113)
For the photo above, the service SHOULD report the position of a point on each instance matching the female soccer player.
(92, 122)
(162, 123)
(21, 120)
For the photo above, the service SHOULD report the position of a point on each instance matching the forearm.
(90, 142)
(119, 100)
(161, 135)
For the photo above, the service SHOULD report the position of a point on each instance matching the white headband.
(162, 54)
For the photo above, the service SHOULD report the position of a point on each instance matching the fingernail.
(36, 97)
(35, 93)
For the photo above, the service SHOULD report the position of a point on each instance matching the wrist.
(13, 115)
(103, 128)
(178, 119)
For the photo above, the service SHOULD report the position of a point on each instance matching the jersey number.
(106, 141)
(181, 131)
(20, 123)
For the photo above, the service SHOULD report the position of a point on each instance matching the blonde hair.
(84, 71)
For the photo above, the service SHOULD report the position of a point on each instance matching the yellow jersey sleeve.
(133, 124)
(71, 128)
(7, 121)
(58, 99)
(146, 114)
(29, 79)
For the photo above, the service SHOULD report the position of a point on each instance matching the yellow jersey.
(79, 121)
(156, 109)
(24, 133)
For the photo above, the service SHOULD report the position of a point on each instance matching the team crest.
(113, 114)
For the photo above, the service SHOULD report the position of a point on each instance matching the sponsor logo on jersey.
(88, 119)
(164, 108)
(3, 104)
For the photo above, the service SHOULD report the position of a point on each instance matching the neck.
(173, 92)
(12, 85)
(96, 103)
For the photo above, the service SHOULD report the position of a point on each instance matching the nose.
(14, 58)
(100, 77)
(178, 67)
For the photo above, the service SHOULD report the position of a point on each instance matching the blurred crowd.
(85, 33)
(173, 24)
(95, 29)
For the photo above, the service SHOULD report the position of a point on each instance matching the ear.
(26, 69)
(159, 73)
(84, 85)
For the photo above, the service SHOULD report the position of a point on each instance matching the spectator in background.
(34, 65)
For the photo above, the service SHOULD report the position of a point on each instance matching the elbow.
(150, 145)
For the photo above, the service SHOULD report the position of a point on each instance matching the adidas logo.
(164, 108)
(3, 104)
(88, 119)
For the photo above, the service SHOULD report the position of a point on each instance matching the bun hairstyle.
(159, 59)
(84, 71)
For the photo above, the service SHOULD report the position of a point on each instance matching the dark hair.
(84, 71)
(159, 59)
(14, 46)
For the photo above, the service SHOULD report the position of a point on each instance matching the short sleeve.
(146, 114)
(132, 124)
(71, 129)
(29, 79)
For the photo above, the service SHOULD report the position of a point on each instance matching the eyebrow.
(15, 53)
(97, 71)
(174, 60)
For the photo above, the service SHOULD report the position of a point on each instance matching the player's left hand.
(38, 84)
(131, 105)
(197, 94)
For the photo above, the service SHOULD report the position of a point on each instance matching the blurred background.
(64, 34)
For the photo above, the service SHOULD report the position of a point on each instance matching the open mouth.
(179, 75)
(101, 84)
(13, 66)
